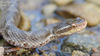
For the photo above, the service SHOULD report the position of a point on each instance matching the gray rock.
(80, 42)
(1, 51)
(49, 9)
(79, 53)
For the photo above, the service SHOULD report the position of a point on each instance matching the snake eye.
(73, 25)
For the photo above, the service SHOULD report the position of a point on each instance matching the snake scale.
(12, 34)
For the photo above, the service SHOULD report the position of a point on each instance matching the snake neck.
(17, 37)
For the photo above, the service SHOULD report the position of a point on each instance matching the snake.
(10, 18)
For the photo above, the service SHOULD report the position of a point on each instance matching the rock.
(49, 54)
(1, 51)
(12, 50)
(29, 5)
(49, 49)
(54, 47)
(32, 17)
(61, 54)
(25, 23)
(49, 9)
(79, 1)
(96, 52)
(35, 54)
(82, 42)
(95, 29)
(22, 50)
(60, 2)
(52, 54)
(44, 54)
(49, 21)
(79, 53)
(17, 51)
(98, 48)
(97, 2)
(38, 25)
(42, 49)
(3, 42)
(87, 11)
(45, 51)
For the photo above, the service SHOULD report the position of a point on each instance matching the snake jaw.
(73, 27)
(17, 37)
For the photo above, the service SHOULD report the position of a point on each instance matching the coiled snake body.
(17, 37)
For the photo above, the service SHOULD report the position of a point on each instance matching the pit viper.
(10, 18)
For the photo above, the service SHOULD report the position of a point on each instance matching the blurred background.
(44, 12)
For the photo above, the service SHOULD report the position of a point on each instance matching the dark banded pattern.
(17, 37)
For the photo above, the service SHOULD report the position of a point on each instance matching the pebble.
(79, 53)
(87, 11)
(25, 23)
(1, 51)
(96, 52)
(35, 54)
(60, 2)
(49, 9)
(97, 2)
(49, 21)
(82, 42)
(49, 54)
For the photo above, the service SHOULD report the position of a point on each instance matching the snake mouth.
(76, 28)
(73, 28)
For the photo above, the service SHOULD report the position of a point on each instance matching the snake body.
(17, 37)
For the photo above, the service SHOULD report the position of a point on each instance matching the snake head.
(69, 26)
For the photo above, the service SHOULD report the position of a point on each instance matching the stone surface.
(61, 2)
(51, 20)
(25, 23)
(17, 52)
(49, 9)
(97, 2)
(49, 54)
(1, 51)
(35, 54)
(96, 52)
(82, 42)
(79, 53)
(55, 46)
(30, 5)
(87, 11)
